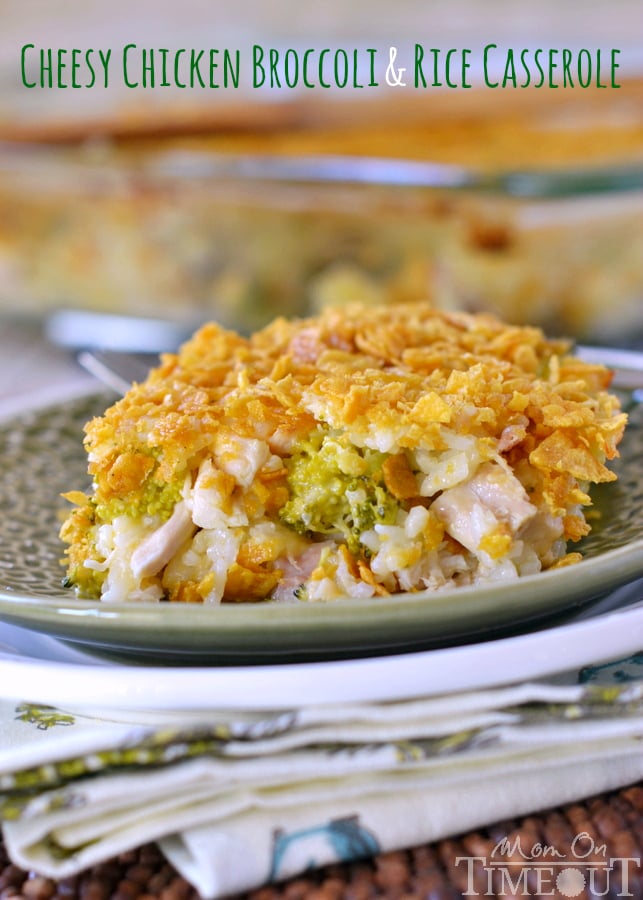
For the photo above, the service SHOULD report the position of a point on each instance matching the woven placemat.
(586, 844)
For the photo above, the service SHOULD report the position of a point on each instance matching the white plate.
(38, 669)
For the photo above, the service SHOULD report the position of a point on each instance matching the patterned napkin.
(238, 800)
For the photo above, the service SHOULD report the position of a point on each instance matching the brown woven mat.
(612, 824)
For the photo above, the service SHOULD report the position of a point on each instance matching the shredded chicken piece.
(475, 510)
(159, 548)
(295, 572)
(503, 494)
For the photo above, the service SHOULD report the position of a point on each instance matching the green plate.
(42, 456)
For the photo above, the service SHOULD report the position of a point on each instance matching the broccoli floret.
(337, 488)
(87, 582)
(152, 498)
(79, 531)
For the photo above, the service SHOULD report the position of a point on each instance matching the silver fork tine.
(115, 369)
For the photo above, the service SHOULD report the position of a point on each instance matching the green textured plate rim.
(43, 455)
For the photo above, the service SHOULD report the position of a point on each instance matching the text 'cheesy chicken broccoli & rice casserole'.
(363, 452)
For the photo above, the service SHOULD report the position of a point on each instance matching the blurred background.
(240, 204)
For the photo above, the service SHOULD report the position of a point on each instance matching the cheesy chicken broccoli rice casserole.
(362, 452)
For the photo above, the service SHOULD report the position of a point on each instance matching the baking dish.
(206, 229)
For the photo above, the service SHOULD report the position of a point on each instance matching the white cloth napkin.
(238, 800)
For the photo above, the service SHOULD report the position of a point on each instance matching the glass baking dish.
(191, 233)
